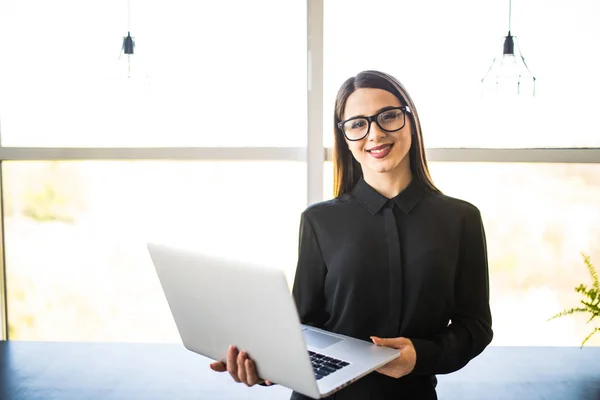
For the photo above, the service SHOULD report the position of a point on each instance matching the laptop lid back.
(216, 302)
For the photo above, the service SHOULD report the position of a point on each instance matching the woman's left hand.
(405, 363)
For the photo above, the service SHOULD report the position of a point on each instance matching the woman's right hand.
(241, 368)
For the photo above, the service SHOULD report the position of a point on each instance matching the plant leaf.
(589, 306)
(592, 317)
(568, 312)
(593, 294)
(590, 335)
(593, 272)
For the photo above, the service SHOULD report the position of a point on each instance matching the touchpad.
(318, 339)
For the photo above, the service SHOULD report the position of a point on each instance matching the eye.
(391, 115)
(357, 124)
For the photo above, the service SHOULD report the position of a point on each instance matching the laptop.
(217, 302)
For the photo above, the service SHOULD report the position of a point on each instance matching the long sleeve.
(308, 290)
(470, 330)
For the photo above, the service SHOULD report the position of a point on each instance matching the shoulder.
(452, 205)
(328, 208)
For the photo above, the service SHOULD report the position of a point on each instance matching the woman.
(390, 259)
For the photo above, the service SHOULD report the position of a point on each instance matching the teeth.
(380, 150)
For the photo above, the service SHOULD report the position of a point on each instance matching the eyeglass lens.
(390, 120)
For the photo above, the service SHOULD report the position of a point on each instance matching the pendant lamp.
(509, 75)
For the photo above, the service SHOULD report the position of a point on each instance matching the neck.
(389, 184)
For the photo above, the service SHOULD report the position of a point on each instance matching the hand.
(241, 368)
(405, 363)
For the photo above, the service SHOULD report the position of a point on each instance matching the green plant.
(591, 299)
(47, 205)
(50, 191)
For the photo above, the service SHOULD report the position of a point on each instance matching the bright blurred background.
(233, 74)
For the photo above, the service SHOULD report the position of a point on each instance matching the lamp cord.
(129, 15)
(509, 13)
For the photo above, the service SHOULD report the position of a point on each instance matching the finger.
(218, 366)
(380, 341)
(384, 370)
(232, 363)
(241, 367)
(268, 383)
(251, 373)
(390, 342)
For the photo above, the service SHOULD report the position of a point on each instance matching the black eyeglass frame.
(374, 117)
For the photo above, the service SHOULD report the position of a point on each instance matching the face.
(380, 152)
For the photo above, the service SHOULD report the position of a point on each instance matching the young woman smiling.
(390, 259)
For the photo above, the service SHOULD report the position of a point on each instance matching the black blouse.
(412, 266)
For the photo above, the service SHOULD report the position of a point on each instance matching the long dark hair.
(347, 171)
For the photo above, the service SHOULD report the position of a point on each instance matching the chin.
(383, 167)
(393, 162)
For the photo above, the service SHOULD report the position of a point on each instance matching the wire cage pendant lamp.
(509, 75)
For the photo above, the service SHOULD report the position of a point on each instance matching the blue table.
(111, 371)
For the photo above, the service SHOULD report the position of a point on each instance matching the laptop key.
(324, 365)
(326, 368)
(332, 365)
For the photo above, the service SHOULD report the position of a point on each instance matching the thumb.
(389, 342)
(380, 341)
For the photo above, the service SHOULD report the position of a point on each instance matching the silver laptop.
(217, 302)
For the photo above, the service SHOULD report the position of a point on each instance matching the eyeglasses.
(390, 119)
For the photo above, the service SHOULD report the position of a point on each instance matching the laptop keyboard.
(324, 365)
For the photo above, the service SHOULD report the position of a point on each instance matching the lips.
(379, 148)
(381, 151)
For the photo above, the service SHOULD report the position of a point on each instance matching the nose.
(375, 132)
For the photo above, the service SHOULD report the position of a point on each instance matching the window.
(440, 50)
(75, 232)
(538, 218)
(229, 74)
(219, 73)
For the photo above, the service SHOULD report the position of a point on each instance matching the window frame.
(314, 154)
(3, 286)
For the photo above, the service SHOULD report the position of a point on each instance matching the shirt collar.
(406, 200)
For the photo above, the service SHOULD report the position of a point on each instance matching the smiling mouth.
(380, 149)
